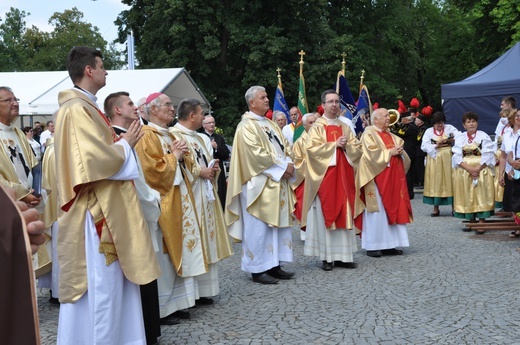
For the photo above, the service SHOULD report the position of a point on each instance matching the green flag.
(302, 108)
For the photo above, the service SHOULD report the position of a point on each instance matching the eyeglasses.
(167, 104)
(332, 102)
(10, 100)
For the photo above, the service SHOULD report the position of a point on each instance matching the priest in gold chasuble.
(381, 177)
(300, 165)
(260, 201)
(165, 163)
(103, 252)
(203, 180)
(330, 198)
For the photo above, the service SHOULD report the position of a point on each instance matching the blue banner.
(363, 111)
(348, 105)
(280, 104)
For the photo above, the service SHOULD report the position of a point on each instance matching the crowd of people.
(132, 211)
(138, 211)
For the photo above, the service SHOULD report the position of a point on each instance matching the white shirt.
(288, 132)
(43, 139)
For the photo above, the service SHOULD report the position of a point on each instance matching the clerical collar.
(90, 95)
(184, 129)
(331, 121)
(258, 117)
(159, 128)
(5, 128)
(124, 130)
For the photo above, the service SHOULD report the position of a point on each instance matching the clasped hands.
(396, 151)
(133, 133)
(179, 148)
(341, 142)
(34, 225)
(474, 172)
(289, 172)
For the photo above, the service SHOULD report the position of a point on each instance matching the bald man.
(382, 178)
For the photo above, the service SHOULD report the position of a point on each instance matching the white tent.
(38, 91)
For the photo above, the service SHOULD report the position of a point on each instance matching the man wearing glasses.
(16, 157)
(166, 164)
(330, 195)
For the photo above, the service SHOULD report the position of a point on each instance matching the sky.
(100, 13)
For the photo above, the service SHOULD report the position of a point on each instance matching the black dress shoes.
(326, 266)
(392, 251)
(374, 253)
(182, 314)
(170, 320)
(264, 278)
(53, 300)
(204, 301)
(345, 264)
(278, 273)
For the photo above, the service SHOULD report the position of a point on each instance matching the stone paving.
(450, 287)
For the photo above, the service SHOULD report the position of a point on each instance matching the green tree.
(11, 40)
(491, 35)
(408, 48)
(23, 49)
(506, 15)
(230, 45)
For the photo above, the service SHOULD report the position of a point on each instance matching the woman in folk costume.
(437, 142)
(473, 180)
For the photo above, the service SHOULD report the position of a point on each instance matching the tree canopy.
(408, 48)
(30, 49)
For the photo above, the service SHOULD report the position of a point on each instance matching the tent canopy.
(483, 91)
(38, 91)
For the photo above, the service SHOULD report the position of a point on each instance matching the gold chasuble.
(375, 160)
(50, 183)
(178, 219)
(51, 210)
(215, 239)
(252, 153)
(299, 159)
(339, 207)
(86, 157)
(300, 164)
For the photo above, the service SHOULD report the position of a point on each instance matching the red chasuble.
(337, 190)
(392, 186)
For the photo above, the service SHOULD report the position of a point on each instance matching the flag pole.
(343, 63)
(302, 100)
(278, 70)
(301, 53)
(361, 80)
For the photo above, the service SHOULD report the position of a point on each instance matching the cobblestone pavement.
(450, 287)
